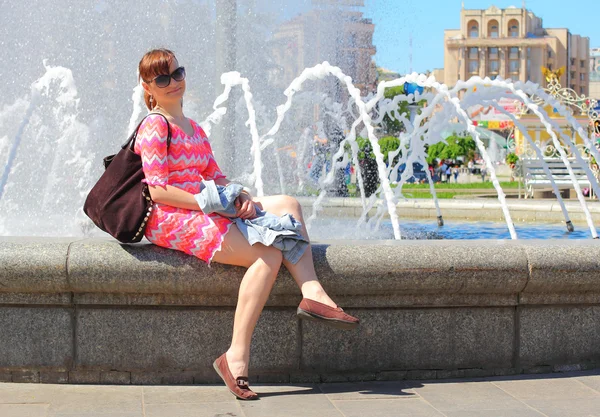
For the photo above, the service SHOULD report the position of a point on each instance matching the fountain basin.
(464, 209)
(92, 310)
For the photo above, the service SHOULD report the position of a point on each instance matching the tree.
(453, 147)
(392, 126)
(368, 164)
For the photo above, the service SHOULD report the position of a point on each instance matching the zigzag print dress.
(189, 160)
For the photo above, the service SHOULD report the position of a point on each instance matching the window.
(573, 87)
(514, 63)
(494, 66)
(572, 61)
(473, 29)
(513, 29)
(514, 67)
(494, 32)
(582, 63)
(473, 53)
(572, 74)
(473, 67)
(493, 29)
(582, 90)
(493, 53)
(549, 53)
(581, 77)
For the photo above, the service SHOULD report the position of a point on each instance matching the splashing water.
(52, 108)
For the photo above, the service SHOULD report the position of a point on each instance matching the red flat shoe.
(238, 386)
(313, 310)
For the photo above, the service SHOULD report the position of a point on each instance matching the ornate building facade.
(512, 43)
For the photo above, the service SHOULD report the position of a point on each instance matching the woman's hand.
(245, 207)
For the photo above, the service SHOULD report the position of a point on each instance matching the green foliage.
(452, 148)
(387, 145)
(392, 92)
(393, 126)
(512, 158)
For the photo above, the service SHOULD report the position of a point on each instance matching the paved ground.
(560, 395)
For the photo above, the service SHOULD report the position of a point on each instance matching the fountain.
(141, 314)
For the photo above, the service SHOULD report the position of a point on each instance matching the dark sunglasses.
(164, 80)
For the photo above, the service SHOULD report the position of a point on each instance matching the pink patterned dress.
(188, 161)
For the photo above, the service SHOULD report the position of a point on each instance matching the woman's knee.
(270, 256)
(290, 203)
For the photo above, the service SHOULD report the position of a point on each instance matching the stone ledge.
(95, 311)
(35, 271)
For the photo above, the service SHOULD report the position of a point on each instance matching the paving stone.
(120, 378)
(567, 407)
(391, 375)
(196, 394)
(454, 396)
(367, 391)
(26, 376)
(273, 378)
(231, 409)
(51, 377)
(414, 407)
(11, 393)
(79, 414)
(334, 378)
(421, 374)
(178, 378)
(547, 388)
(296, 401)
(305, 378)
(511, 412)
(592, 381)
(84, 377)
(23, 410)
(456, 373)
(82, 399)
(478, 373)
(146, 378)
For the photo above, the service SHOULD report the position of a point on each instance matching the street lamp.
(413, 107)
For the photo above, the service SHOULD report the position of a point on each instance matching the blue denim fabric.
(282, 232)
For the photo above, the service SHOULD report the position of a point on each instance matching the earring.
(151, 100)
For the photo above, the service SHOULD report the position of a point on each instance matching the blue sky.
(395, 20)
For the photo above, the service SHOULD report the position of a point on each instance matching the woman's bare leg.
(263, 264)
(304, 270)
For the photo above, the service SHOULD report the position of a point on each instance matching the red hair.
(153, 63)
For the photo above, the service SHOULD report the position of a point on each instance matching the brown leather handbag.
(120, 202)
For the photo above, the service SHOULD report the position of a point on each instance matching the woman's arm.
(173, 196)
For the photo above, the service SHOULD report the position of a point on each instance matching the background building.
(512, 43)
(340, 36)
(595, 73)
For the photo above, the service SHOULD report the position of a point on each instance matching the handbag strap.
(131, 141)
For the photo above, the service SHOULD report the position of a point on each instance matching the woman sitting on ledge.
(174, 176)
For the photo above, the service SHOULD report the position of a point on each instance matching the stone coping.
(475, 209)
(474, 203)
(365, 273)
